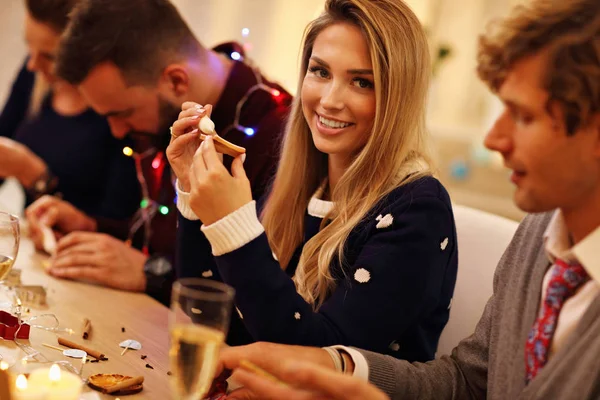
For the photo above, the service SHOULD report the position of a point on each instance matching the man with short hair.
(539, 336)
(136, 62)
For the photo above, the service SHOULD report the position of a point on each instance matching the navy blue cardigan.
(393, 291)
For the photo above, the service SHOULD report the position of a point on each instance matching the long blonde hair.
(395, 153)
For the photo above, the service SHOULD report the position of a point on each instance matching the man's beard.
(167, 114)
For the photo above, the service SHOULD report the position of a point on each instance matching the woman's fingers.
(189, 118)
(190, 104)
(190, 112)
(184, 125)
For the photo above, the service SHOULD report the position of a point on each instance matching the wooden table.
(143, 318)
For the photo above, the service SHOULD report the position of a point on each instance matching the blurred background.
(460, 108)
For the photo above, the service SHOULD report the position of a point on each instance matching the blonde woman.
(356, 241)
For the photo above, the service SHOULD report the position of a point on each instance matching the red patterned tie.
(564, 282)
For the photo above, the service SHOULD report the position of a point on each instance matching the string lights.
(143, 216)
(148, 207)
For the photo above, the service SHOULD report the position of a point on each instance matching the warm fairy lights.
(149, 207)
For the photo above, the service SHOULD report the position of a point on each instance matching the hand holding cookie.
(215, 192)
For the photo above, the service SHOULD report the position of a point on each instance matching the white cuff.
(183, 203)
(361, 368)
(235, 230)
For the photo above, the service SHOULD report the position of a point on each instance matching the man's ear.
(175, 80)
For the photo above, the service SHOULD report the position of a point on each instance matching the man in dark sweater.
(136, 62)
(539, 336)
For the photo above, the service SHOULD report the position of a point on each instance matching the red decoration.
(9, 325)
(218, 391)
(158, 165)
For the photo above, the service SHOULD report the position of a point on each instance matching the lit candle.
(54, 374)
(4, 381)
(24, 391)
(21, 382)
(57, 384)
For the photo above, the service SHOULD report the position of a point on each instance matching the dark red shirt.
(265, 112)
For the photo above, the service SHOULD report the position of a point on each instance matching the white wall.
(12, 44)
(276, 28)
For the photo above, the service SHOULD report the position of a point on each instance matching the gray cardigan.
(491, 363)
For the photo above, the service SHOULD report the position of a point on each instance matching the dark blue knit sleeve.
(396, 281)
(193, 256)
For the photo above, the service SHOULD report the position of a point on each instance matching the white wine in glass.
(6, 264)
(199, 320)
(10, 237)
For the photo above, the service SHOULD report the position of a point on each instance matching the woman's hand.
(59, 215)
(185, 140)
(215, 193)
(17, 160)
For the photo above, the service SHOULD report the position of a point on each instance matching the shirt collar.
(558, 244)
(319, 208)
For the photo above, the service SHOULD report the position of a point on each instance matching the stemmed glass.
(199, 321)
(10, 237)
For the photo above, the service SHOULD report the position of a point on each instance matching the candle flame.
(21, 382)
(54, 374)
(3, 366)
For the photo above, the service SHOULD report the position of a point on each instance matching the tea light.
(5, 381)
(25, 392)
(56, 384)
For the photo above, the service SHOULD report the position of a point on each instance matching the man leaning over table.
(539, 336)
(139, 80)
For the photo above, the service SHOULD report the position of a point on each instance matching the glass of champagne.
(10, 237)
(199, 321)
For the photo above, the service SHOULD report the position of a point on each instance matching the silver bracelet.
(336, 357)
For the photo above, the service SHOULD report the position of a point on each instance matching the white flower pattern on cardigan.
(444, 244)
(384, 222)
(362, 275)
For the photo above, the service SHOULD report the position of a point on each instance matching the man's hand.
(307, 371)
(264, 353)
(101, 259)
(57, 214)
(304, 381)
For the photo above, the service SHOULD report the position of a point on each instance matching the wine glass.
(10, 237)
(199, 320)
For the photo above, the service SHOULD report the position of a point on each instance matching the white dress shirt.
(587, 253)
